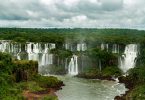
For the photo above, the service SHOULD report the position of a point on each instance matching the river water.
(84, 89)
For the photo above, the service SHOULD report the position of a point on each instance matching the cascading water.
(128, 59)
(34, 51)
(46, 57)
(68, 46)
(73, 66)
(115, 48)
(81, 47)
(104, 47)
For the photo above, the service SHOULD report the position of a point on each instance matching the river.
(84, 89)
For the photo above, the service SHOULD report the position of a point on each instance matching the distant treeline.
(55, 35)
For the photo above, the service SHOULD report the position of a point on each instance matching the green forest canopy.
(55, 35)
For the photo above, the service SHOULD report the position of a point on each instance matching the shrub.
(111, 71)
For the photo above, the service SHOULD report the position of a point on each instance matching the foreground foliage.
(134, 81)
(17, 76)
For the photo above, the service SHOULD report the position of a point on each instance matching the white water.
(115, 48)
(84, 89)
(73, 66)
(81, 47)
(104, 47)
(128, 59)
(34, 51)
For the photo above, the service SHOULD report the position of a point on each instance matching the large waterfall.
(73, 66)
(41, 52)
(34, 51)
(128, 59)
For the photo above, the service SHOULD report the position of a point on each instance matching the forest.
(55, 35)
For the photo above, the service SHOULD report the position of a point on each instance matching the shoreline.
(128, 85)
(52, 91)
(47, 92)
(39, 94)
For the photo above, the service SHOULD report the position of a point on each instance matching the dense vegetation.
(135, 79)
(17, 76)
(61, 35)
(103, 65)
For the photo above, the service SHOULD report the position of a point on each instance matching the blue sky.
(73, 13)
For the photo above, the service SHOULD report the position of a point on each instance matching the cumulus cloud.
(72, 13)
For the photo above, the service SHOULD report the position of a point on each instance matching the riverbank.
(134, 92)
(43, 90)
(135, 82)
(49, 93)
(129, 85)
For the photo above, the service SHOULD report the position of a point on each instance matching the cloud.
(110, 5)
(72, 13)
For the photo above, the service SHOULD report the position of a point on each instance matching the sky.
(73, 13)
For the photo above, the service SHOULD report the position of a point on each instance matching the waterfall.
(47, 58)
(81, 47)
(52, 46)
(18, 52)
(36, 53)
(66, 63)
(78, 47)
(73, 66)
(104, 47)
(33, 53)
(128, 59)
(69, 46)
(4, 46)
(66, 46)
(115, 48)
